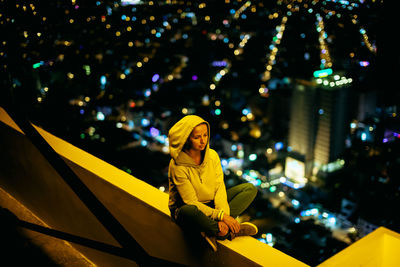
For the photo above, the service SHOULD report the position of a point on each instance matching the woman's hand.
(223, 228)
(233, 225)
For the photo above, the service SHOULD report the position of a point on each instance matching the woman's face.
(199, 137)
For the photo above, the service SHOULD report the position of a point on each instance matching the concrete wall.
(140, 208)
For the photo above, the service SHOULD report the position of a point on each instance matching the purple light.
(385, 140)
(221, 63)
(194, 77)
(155, 77)
(154, 132)
(364, 63)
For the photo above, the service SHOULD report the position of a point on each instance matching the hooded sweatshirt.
(194, 184)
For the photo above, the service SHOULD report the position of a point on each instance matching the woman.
(198, 200)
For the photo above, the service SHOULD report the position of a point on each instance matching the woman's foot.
(246, 229)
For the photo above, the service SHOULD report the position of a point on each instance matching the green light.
(322, 73)
(217, 111)
(36, 65)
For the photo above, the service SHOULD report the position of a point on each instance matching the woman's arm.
(188, 194)
(220, 199)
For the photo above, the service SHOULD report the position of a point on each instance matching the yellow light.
(122, 76)
(185, 111)
(70, 75)
(207, 18)
(217, 103)
(71, 21)
(118, 33)
(130, 44)
(87, 99)
(212, 86)
(139, 64)
(236, 52)
(129, 28)
(152, 18)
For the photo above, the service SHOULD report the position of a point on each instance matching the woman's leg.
(190, 218)
(240, 198)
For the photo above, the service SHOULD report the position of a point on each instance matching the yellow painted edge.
(349, 252)
(106, 171)
(261, 253)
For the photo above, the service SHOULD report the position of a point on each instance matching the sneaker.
(246, 229)
(211, 241)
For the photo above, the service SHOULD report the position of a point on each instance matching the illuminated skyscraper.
(318, 125)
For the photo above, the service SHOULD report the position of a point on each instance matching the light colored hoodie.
(194, 184)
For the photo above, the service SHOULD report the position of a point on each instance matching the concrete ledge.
(138, 206)
(379, 248)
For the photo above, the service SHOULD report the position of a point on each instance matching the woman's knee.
(187, 211)
(250, 189)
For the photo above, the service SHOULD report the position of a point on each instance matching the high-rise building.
(318, 125)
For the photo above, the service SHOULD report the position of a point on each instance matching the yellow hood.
(180, 132)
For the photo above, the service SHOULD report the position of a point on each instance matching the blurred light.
(100, 116)
(154, 132)
(322, 73)
(278, 145)
(155, 78)
(145, 122)
(245, 111)
(103, 80)
(363, 136)
(252, 157)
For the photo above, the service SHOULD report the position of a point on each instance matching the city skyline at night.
(292, 90)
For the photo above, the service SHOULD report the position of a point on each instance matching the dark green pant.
(190, 218)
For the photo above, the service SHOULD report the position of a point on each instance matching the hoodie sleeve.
(188, 194)
(220, 200)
